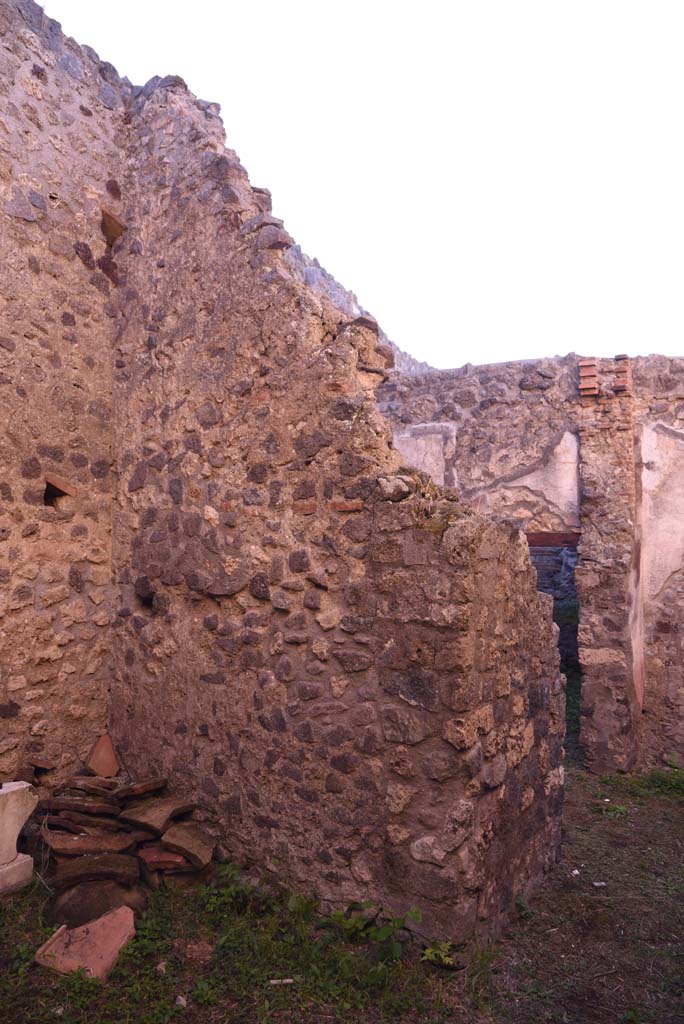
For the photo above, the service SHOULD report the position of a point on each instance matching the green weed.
(440, 953)
(524, 910)
(611, 810)
(656, 782)
(480, 976)
(387, 936)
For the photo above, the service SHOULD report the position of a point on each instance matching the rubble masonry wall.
(338, 660)
(521, 442)
(60, 158)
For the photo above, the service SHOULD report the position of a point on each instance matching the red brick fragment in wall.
(61, 484)
(588, 378)
(553, 540)
(112, 227)
(102, 759)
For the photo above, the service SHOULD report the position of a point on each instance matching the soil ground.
(601, 943)
(604, 941)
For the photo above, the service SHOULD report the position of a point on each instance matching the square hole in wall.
(57, 492)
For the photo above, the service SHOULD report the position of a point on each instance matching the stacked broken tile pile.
(107, 836)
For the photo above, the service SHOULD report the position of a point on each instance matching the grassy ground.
(602, 943)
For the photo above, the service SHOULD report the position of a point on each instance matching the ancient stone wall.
(60, 155)
(334, 662)
(505, 435)
(353, 673)
(571, 450)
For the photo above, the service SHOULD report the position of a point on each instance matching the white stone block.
(17, 801)
(16, 875)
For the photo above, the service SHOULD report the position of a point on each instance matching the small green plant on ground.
(611, 810)
(388, 937)
(204, 993)
(480, 975)
(632, 1017)
(525, 912)
(656, 782)
(441, 954)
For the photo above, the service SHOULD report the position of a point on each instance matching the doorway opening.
(554, 556)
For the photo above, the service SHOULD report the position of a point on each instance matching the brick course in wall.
(612, 683)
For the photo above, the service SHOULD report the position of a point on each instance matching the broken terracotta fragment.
(156, 814)
(58, 821)
(113, 785)
(142, 788)
(83, 784)
(95, 842)
(92, 948)
(142, 835)
(82, 805)
(94, 821)
(188, 839)
(156, 858)
(102, 759)
(118, 866)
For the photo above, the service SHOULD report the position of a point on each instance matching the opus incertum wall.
(206, 542)
(581, 454)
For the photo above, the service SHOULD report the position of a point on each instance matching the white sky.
(495, 179)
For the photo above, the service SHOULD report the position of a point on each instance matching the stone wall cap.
(17, 787)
